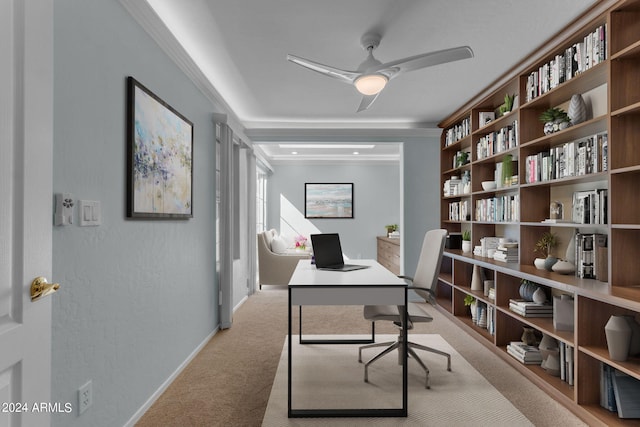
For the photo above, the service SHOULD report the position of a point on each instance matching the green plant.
(546, 243)
(508, 104)
(554, 114)
(469, 299)
(391, 228)
(466, 235)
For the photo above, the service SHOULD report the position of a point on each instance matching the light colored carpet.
(329, 376)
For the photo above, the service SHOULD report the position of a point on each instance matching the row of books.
(526, 354)
(498, 141)
(566, 362)
(530, 309)
(576, 158)
(506, 254)
(591, 256)
(457, 132)
(619, 392)
(455, 187)
(485, 317)
(459, 211)
(590, 207)
(504, 208)
(564, 66)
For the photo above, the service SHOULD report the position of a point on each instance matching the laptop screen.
(327, 250)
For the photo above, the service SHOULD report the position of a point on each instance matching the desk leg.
(336, 341)
(405, 368)
(289, 413)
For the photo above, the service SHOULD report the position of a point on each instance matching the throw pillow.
(278, 245)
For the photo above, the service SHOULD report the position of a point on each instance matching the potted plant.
(472, 303)
(554, 119)
(391, 228)
(544, 245)
(466, 241)
(508, 104)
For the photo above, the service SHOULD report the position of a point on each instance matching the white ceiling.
(241, 47)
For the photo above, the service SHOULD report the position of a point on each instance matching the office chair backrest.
(426, 275)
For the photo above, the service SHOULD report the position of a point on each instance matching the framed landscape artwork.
(328, 200)
(159, 157)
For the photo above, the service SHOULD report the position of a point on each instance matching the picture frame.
(159, 157)
(328, 200)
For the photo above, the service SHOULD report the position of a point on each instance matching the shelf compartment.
(623, 139)
(549, 380)
(624, 266)
(624, 200)
(624, 89)
(572, 133)
(625, 27)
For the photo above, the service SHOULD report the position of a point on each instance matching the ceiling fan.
(372, 75)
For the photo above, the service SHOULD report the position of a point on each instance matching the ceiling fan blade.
(336, 73)
(391, 69)
(366, 102)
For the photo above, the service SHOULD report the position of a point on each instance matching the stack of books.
(530, 308)
(527, 354)
(507, 252)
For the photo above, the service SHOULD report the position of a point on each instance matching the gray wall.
(139, 296)
(376, 200)
(421, 168)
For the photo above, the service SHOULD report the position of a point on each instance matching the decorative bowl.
(488, 185)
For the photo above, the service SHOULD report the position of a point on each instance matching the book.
(626, 390)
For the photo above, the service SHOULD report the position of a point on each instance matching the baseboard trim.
(140, 412)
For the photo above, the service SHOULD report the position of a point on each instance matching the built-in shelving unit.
(611, 89)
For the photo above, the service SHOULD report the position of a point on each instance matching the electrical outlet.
(85, 397)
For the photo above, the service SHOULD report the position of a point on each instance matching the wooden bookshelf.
(611, 88)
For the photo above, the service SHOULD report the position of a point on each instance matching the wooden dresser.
(389, 253)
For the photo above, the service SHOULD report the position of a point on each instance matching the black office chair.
(424, 284)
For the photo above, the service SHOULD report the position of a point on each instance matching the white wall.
(137, 296)
(376, 200)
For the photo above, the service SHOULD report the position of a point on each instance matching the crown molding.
(149, 20)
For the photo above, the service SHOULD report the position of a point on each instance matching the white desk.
(371, 286)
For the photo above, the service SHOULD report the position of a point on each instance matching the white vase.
(476, 279)
(539, 297)
(539, 263)
(577, 109)
(466, 246)
(618, 333)
(474, 311)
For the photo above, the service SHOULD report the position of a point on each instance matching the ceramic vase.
(539, 297)
(476, 279)
(466, 246)
(563, 267)
(577, 109)
(618, 333)
(539, 263)
(474, 312)
(549, 262)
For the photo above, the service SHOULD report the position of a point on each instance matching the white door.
(26, 128)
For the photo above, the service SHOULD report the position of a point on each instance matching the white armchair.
(275, 268)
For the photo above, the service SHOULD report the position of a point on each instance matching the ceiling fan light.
(370, 84)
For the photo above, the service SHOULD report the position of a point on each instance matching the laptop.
(328, 253)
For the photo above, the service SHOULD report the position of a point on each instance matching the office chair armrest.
(407, 278)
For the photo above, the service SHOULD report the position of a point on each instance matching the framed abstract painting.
(159, 157)
(328, 200)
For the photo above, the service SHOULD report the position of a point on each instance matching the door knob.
(41, 288)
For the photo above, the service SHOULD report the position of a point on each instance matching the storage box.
(563, 313)
(453, 241)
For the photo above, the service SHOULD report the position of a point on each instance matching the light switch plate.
(90, 213)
